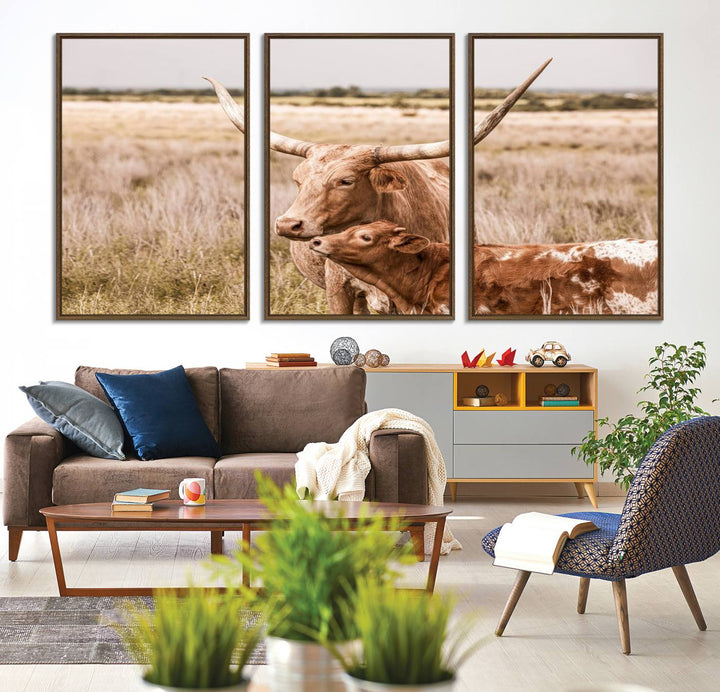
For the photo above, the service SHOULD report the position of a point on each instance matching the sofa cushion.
(83, 418)
(235, 475)
(203, 382)
(160, 413)
(81, 478)
(281, 411)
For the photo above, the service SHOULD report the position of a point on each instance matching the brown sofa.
(261, 418)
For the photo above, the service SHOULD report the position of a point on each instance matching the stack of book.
(138, 500)
(559, 401)
(290, 360)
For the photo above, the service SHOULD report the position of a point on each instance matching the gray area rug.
(70, 630)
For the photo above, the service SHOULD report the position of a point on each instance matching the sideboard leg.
(453, 491)
(590, 490)
(580, 490)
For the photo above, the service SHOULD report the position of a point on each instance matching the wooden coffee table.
(218, 516)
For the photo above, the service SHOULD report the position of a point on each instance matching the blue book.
(141, 496)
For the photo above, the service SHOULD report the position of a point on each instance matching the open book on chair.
(533, 541)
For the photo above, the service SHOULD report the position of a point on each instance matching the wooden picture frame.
(384, 108)
(566, 198)
(152, 181)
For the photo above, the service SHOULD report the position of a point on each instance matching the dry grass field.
(152, 209)
(291, 293)
(558, 177)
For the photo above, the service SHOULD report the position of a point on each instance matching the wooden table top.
(233, 511)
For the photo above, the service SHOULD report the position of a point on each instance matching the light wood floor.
(547, 646)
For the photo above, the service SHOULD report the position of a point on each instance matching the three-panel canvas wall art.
(564, 167)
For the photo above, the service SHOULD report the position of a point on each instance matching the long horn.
(492, 119)
(287, 145)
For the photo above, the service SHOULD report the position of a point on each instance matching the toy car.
(551, 350)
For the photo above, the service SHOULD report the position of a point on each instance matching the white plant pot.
(240, 687)
(357, 685)
(301, 667)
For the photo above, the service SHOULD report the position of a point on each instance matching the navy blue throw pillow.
(160, 413)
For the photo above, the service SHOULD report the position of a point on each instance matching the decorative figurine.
(551, 350)
(467, 363)
(508, 357)
(488, 362)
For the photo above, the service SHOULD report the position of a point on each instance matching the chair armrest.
(399, 467)
(32, 452)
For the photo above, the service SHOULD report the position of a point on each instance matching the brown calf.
(413, 272)
(607, 277)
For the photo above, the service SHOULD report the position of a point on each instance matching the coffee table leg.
(435, 557)
(216, 542)
(57, 558)
(246, 548)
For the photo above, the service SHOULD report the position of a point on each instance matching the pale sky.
(625, 64)
(152, 63)
(404, 63)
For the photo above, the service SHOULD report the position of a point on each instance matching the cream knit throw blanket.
(329, 471)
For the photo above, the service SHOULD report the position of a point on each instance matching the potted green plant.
(405, 643)
(198, 641)
(673, 372)
(310, 565)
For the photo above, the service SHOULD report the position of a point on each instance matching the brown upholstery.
(203, 382)
(82, 478)
(31, 453)
(282, 411)
(235, 475)
(399, 470)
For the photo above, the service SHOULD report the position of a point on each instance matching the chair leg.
(583, 594)
(517, 589)
(14, 538)
(620, 594)
(686, 587)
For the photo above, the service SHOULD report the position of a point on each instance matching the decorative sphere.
(359, 360)
(481, 391)
(385, 360)
(373, 358)
(550, 390)
(346, 344)
(342, 357)
(500, 399)
(563, 389)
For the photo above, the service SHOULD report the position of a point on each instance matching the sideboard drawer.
(522, 427)
(519, 461)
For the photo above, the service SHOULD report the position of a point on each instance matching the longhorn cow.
(343, 185)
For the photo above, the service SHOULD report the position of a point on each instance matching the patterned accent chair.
(671, 518)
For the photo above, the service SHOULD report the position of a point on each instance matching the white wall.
(36, 347)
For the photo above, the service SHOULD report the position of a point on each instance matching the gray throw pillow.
(83, 418)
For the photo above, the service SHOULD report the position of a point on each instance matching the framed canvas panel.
(152, 178)
(359, 176)
(566, 194)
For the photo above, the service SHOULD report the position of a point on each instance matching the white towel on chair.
(329, 471)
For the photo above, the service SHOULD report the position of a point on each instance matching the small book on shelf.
(302, 356)
(141, 496)
(131, 507)
(290, 360)
(534, 540)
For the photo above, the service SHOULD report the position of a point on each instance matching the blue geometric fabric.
(671, 514)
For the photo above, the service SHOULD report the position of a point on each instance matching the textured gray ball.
(482, 391)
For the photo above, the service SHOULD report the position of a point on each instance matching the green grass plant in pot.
(198, 641)
(671, 380)
(309, 564)
(405, 641)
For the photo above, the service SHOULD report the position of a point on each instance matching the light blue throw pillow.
(83, 418)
